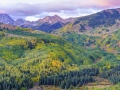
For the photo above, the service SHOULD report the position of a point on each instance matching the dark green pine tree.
(62, 84)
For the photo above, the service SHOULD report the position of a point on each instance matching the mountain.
(52, 19)
(25, 23)
(5, 18)
(52, 23)
(101, 22)
(19, 22)
(47, 27)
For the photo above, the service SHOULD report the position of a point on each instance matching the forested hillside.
(67, 61)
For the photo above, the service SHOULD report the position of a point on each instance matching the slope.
(28, 57)
(106, 21)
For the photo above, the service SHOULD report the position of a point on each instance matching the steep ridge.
(101, 22)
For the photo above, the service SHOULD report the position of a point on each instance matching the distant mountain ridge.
(47, 24)
(105, 21)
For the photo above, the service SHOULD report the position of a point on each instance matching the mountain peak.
(56, 16)
(52, 19)
(112, 10)
(5, 18)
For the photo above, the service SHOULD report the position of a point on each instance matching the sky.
(35, 9)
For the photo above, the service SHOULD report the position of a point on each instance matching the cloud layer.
(65, 8)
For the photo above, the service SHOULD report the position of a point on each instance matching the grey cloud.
(34, 9)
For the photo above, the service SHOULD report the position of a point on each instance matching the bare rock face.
(5, 18)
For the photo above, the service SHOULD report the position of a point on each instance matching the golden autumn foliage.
(56, 63)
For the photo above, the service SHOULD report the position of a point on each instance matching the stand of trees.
(113, 74)
(12, 83)
(72, 78)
